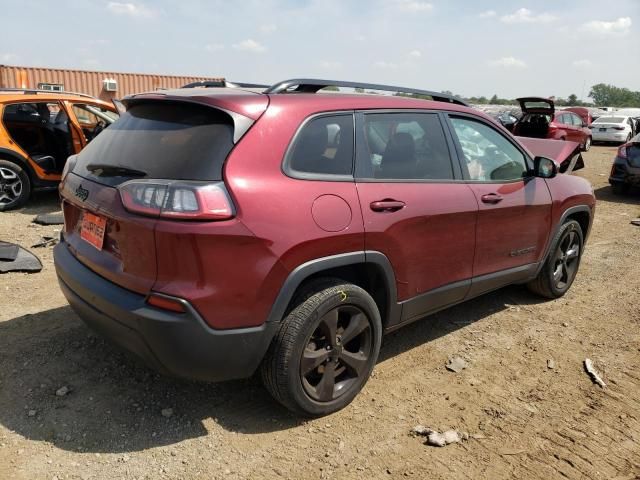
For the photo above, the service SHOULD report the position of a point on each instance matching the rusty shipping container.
(103, 85)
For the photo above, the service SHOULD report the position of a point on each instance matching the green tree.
(573, 101)
(611, 96)
(494, 100)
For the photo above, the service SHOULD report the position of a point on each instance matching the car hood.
(566, 154)
(537, 105)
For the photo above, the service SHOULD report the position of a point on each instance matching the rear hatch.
(162, 142)
(541, 105)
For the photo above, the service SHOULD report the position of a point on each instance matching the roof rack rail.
(29, 91)
(312, 85)
(223, 83)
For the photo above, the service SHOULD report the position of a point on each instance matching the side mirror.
(544, 167)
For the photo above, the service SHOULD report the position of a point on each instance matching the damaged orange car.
(39, 130)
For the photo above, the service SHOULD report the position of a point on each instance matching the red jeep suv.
(218, 232)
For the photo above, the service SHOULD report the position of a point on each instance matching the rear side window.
(403, 146)
(160, 140)
(324, 146)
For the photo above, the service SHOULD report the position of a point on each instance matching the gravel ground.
(115, 418)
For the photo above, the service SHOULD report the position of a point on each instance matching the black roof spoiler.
(223, 84)
(311, 85)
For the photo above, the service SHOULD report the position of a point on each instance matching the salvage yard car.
(625, 171)
(616, 128)
(541, 120)
(220, 232)
(39, 130)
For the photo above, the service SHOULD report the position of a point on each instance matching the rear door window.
(160, 140)
(403, 146)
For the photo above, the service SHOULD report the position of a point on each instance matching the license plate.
(603, 129)
(92, 229)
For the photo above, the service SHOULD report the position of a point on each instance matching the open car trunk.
(537, 114)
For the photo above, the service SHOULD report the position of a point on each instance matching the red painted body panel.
(128, 257)
(430, 242)
(232, 271)
(521, 220)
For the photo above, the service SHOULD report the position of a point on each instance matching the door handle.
(491, 198)
(386, 205)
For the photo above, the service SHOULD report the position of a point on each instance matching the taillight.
(553, 126)
(622, 151)
(181, 200)
(618, 128)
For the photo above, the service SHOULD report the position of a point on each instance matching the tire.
(587, 144)
(313, 337)
(15, 186)
(619, 188)
(561, 266)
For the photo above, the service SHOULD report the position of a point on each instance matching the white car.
(612, 129)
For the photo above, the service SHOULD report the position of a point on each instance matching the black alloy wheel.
(337, 353)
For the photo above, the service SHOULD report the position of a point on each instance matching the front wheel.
(15, 186)
(561, 266)
(587, 144)
(325, 350)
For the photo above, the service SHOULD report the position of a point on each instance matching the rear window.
(609, 120)
(162, 140)
(533, 105)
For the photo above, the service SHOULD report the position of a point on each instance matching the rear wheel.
(325, 350)
(561, 266)
(15, 186)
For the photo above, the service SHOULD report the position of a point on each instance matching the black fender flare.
(566, 214)
(312, 267)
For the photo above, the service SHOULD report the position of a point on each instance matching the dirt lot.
(530, 421)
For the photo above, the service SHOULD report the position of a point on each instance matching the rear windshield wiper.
(104, 170)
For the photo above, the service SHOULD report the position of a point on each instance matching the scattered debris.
(565, 324)
(8, 251)
(62, 391)
(588, 366)
(24, 261)
(167, 412)
(49, 219)
(420, 430)
(32, 413)
(456, 364)
(551, 364)
(636, 222)
(437, 439)
(46, 241)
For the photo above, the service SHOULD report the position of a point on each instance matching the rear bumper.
(623, 173)
(179, 344)
(609, 137)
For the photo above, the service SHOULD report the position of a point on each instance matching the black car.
(625, 171)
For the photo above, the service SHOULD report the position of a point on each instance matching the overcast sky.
(510, 48)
